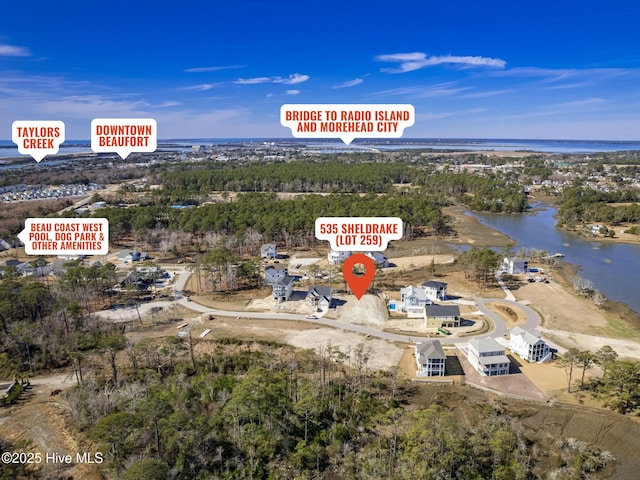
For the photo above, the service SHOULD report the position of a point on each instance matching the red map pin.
(359, 284)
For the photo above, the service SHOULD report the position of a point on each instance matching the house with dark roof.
(487, 357)
(435, 291)
(320, 297)
(528, 345)
(275, 273)
(283, 288)
(439, 316)
(430, 358)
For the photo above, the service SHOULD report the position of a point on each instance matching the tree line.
(579, 205)
(291, 221)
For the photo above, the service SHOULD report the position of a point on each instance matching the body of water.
(614, 268)
(9, 149)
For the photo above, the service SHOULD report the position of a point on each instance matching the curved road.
(499, 329)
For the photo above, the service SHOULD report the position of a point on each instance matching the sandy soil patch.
(624, 348)
(149, 312)
(548, 377)
(383, 355)
(561, 310)
(420, 261)
(369, 310)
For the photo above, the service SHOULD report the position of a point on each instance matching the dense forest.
(291, 221)
(580, 205)
(297, 176)
(490, 194)
(266, 411)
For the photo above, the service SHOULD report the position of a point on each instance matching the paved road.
(499, 328)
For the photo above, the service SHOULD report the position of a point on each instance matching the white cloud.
(212, 69)
(203, 87)
(292, 92)
(13, 51)
(487, 93)
(290, 80)
(418, 60)
(350, 83)
(425, 91)
(252, 81)
(168, 104)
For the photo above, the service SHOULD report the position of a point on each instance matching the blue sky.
(223, 68)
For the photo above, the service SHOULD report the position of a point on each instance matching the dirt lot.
(37, 424)
(572, 321)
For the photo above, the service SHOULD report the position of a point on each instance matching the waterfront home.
(487, 357)
(430, 358)
(515, 265)
(440, 316)
(528, 345)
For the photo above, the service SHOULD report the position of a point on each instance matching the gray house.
(430, 358)
(275, 273)
(283, 288)
(320, 297)
(269, 250)
(488, 357)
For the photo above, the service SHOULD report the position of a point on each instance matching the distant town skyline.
(548, 70)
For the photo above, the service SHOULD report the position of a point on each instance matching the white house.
(435, 290)
(336, 258)
(515, 265)
(528, 345)
(413, 301)
(487, 357)
(430, 359)
(283, 288)
(269, 250)
(378, 257)
(128, 256)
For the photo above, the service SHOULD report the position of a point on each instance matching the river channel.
(614, 268)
